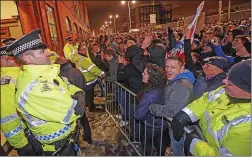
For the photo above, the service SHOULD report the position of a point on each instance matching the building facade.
(57, 20)
(140, 14)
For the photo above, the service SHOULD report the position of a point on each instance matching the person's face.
(239, 47)
(234, 91)
(146, 76)
(207, 37)
(230, 37)
(173, 68)
(108, 57)
(96, 49)
(194, 46)
(83, 50)
(206, 48)
(39, 57)
(210, 69)
(194, 58)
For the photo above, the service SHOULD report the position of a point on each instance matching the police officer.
(49, 104)
(91, 73)
(69, 49)
(224, 117)
(11, 124)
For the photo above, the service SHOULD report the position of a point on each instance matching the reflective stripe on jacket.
(226, 126)
(88, 69)
(45, 102)
(10, 122)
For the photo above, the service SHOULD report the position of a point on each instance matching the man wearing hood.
(178, 93)
(157, 53)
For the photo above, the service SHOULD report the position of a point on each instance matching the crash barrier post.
(148, 135)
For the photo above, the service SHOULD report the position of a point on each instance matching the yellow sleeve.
(196, 109)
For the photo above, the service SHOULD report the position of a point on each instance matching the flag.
(179, 48)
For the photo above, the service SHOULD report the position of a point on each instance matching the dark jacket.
(73, 75)
(142, 112)
(203, 85)
(130, 76)
(135, 55)
(111, 75)
(96, 59)
(178, 93)
(157, 55)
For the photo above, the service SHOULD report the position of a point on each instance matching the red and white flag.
(179, 48)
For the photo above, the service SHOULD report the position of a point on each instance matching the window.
(68, 25)
(75, 28)
(52, 24)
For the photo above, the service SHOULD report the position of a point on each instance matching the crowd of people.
(45, 95)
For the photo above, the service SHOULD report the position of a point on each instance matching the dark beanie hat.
(220, 62)
(240, 75)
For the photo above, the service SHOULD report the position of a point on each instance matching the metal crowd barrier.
(146, 137)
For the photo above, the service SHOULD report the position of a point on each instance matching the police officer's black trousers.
(89, 95)
(86, 129)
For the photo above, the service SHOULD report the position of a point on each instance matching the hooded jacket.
(134, 54)
(157, 55)
(178, 93)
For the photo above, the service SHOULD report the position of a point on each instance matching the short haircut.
(109, 51)
(176, 58)
(242, 37)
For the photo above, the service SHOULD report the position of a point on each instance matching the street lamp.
(123, 2)
(114, 17)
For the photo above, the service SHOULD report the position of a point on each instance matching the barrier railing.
(148, 135)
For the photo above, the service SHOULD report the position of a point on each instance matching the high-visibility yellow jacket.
(69, 51)
(88, 69)
(11, 124)
(45, 102)
(226, 126)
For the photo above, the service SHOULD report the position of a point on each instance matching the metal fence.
(148, 137)
(145, 136)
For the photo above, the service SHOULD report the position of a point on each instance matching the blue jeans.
(177, 146)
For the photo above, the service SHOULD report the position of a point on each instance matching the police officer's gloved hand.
(178, 123)
(26, 150)
(80, 97)
(189, 138)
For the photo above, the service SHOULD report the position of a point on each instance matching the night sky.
(99, 11)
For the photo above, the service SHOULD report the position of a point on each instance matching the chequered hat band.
(26, 46)
(4, 52)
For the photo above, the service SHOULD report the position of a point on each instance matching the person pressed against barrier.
(178, 93)
(45, 100)
(151, 92)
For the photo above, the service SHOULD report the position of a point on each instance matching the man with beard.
(224, 117)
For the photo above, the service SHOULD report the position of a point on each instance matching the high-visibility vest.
(88, 69)
(44, 101)
(226, 126)
(11, 125)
